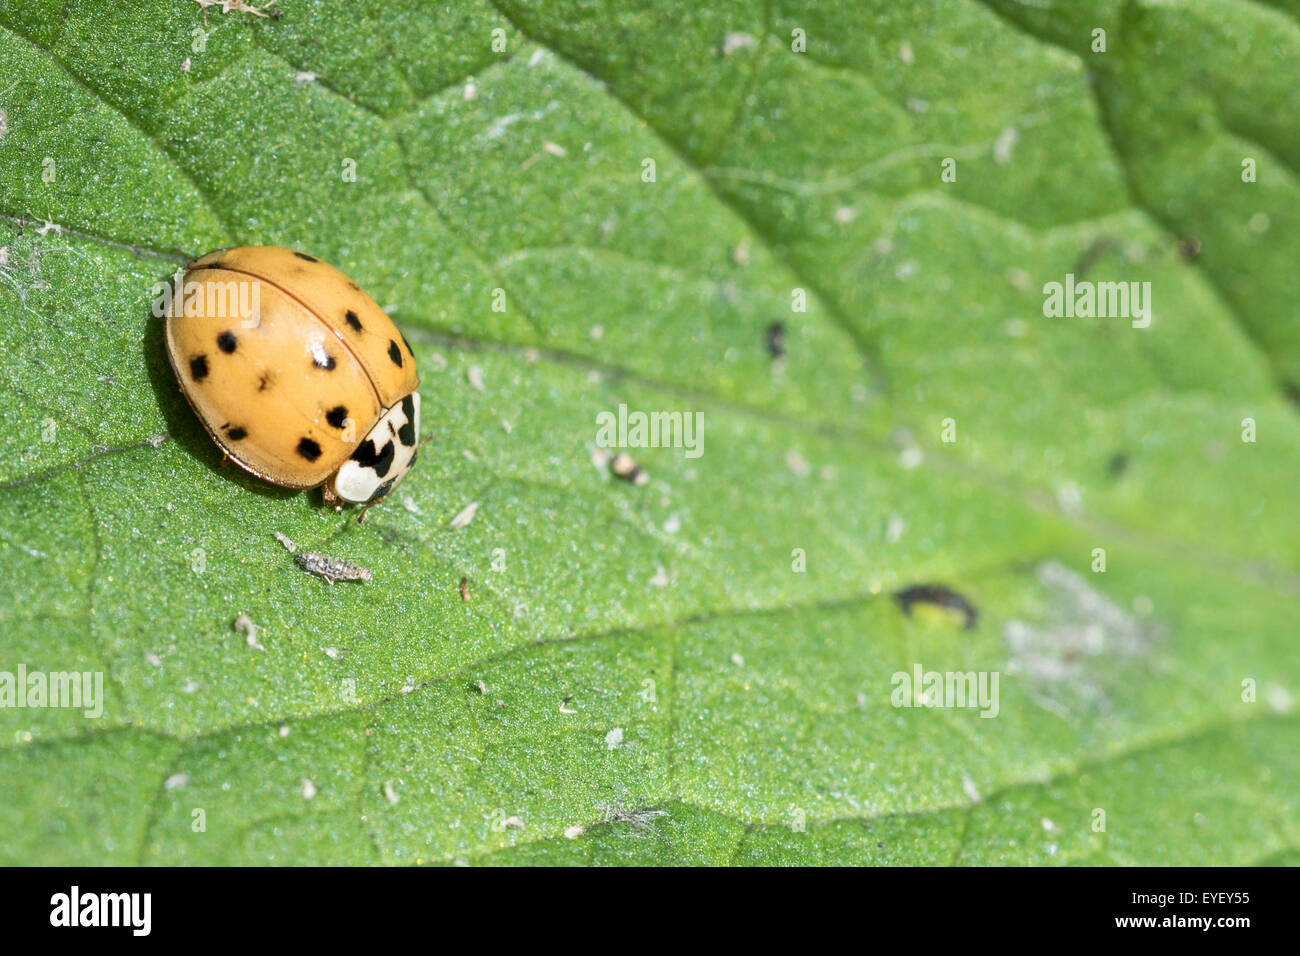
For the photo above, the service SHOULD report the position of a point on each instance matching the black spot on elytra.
(303, 255)
(199, 367)
(407, 344)
(337, 416)
(264, 381)
(367, 456)
(353, 321)
(323, 359)
(406, 434)
(237, 433)
(394, 353)
(308, 449)
(226, 341)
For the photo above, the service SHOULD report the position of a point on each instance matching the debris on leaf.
(641, 819)
(240, 6)
(245, 623)
(284, 540)
(738, 41)
(464, 590)
(332, 569)
(465, 516)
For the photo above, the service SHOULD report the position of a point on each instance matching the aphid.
(626, 467)
(331, 569)
(939, 595)
(317, 389)
(776, 340)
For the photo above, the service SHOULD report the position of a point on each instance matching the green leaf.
(698, 669)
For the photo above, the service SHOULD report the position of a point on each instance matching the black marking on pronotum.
(383, 489)
(227, 342)
(199, 367)
(776, 340)
(406, 434)
(309, 449)
(337, 416)
(939, 595)
(368, 456)
(352, 320)
(303, 255)
(237, 433)
(394, 353)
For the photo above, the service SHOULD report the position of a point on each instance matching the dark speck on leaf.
(939, 595)
(776, 340)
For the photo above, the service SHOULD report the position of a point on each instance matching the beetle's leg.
(366, 507)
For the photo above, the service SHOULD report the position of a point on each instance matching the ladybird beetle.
(313, 386)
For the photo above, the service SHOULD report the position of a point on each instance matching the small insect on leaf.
(628, 468)
(940, 596)
(331, 569)
(464, 589)
(776, 340)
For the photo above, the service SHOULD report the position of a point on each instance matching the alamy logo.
(1101, 300)
(922, 688)
(102, 909)
(74, 689)
(236, 299)
(651, 430)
